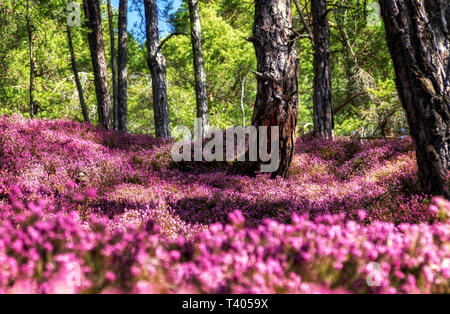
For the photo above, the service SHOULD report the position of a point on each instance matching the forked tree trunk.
(323, 104)
(277, 92)
(417, 34)
(157, 64)
(97, 49)
(122, 66)
(113, 66)
(73, 61)
(199, 64)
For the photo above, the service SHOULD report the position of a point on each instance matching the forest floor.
(88, 210)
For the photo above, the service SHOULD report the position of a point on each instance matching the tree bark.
(277, 90)
(76, 76)
(113, 67)
(322, 99)
(199, 66)
(97, 49)
(33, 108)
(418, 38)
(122, 66)
(157, 65)
(351, 61)
(242, 80)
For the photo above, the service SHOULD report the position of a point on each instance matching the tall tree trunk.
(199, 64)
(323, 104)
(277, 92)
(242, 80)
(113, 67)
(122, 66)
(417, 34)
(97, 48)
(157, 65)
(33, 108)
(350, 62)
(77, 78)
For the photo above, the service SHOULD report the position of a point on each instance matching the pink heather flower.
(111, 291)
(61, 285)
(109, 275)
(79, 198)
(434, 209)
(446, 268)
(441, 207)
(91, 193)
(144, 287)
(259, 279)
(338, 265)
(428, 274)
(236, 218)
(172, 231)
(70, 185)
(23, 286)
(362, 214)
(399, 274)
(15, 193)
(175, 255)
(18, 205)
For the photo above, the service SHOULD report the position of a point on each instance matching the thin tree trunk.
(113, 66)
(157, 65)
(33, 109)
(277, 92)
(77, 78)
(322, 99)
(97, 49)
(351, 61)
(122, 66)
(302, 19)
(199, 66)
(242, 99)
(417, 34)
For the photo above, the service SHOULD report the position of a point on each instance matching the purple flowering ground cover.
(84, 210)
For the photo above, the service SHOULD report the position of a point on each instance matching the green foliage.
(361, 71)
(226, 52)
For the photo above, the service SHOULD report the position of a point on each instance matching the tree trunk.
(157, 65)
(303, 19)
(417, 34)
(277, 92)
(76, 77)
(113, 67)
(242, 80)
(350, 62)
(97, 49)
(33, 108)
(323, 104)
(199, 66)
(122, 66)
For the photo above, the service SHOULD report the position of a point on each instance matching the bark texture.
(199, 64)
(277, 92)
(417, 34)
(113, 66)
(157, 65)
(122, 67)
(33, 107)
(73, 61)
(97, 49)
(322, 99)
